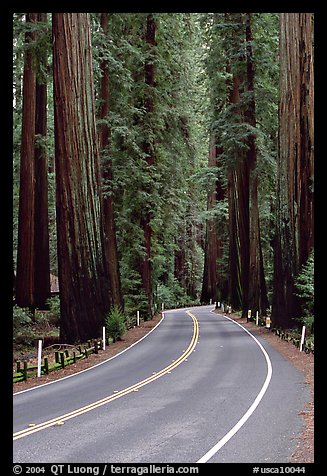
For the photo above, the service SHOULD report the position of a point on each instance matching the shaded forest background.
(163, 158)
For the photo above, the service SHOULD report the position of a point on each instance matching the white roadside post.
(39, 357)
(162, 306)
(138, 318)
(103, 338)
(302, 338)
(249, 315)
(257, 318)
(210, 301)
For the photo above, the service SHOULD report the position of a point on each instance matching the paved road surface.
(198, 382)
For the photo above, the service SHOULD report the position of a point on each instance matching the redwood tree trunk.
(238, 184)
(83, 278)
(294, 217)
(212, 281)
(42, 256)
(108, 205)
(258, 300)
(145, 266)
(26, 217)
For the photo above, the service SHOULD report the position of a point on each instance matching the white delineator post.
(103, 338)
(138, 318)
(39, 357)
(257, 318)
(249, 315)
(302, 338)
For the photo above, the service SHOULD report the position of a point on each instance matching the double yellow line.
(110, 398)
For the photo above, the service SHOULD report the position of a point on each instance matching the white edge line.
(93, 366)
(205, 458)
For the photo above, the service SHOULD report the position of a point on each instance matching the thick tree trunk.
(258, 300)
(234, 265)
(305, 195)
(83, 278)
(294, 229)
(238, 196)
(42, 256)
(112, 261)
(145, 266)
(26, 217)
(212, 280)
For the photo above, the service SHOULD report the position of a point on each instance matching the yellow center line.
(116, 395)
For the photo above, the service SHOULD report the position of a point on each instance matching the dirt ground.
(304, 452)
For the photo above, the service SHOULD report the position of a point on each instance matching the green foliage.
(304, 284)
(115, 323)
(172, 295)
(54, 310)
(21, 318)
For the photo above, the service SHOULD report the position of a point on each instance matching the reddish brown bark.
(212, 281)
(108, 205)
(26, 217)
(83, 278)
(294, 208)
(238, 184)
(145, 266)
(258, 300)
(42, 256)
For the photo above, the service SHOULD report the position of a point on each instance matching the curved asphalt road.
(170, 398)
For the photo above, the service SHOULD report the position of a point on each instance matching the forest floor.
(304, 452)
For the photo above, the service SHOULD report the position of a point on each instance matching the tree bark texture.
(112, 261)
(145, 264)
(84, 281)
(258, 300)
(33, 269)
(42, 254)
(238, 183)
(212, 281)
(294, 207)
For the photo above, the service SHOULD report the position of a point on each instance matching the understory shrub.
(304, 284)
(115, 323)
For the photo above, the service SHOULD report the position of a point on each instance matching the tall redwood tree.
(145, 262)
(33, 267)
(83, 277)
(108, 203)
(258, 299)
(294, 207)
